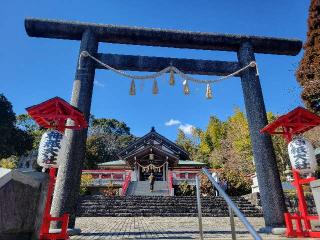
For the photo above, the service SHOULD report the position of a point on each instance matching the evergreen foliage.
(27, 124)
(106, 138)
(13, 141)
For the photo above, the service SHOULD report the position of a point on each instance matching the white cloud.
(98, 84)
(186, 128)
(172, 122)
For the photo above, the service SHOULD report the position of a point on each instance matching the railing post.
(233, 230)
(232, 205)
(199, 207)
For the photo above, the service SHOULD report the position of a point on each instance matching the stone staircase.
(163, 206)
(142, 188)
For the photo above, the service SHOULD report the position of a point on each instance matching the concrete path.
(162, 228)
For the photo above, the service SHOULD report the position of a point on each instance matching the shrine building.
(169, 162)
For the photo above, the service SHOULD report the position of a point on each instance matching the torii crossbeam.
(68, 180)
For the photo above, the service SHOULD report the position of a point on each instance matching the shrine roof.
(149, 140)
(297, 121)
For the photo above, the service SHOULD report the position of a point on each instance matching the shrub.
(237, 183)
(206, 186)
(10, 162)
(86, 180)
(111, 191)
(184, 189)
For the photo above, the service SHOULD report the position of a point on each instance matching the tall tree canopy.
(211, 138)
(27, 124)
(13, 141)
(308, 72)
(192, 144)
(106, 138)
(227, 145)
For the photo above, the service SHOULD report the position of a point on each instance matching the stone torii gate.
(68, 179)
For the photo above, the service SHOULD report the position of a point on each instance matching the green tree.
(308, 72)
(211, 138)
(228, 146)
(238, 133)
(211, 142)
(7, 121)
(184, 142)
(106, 138)
(191, 144)
(280, 148)
(27, 124)
(109, 126)
(13, 141)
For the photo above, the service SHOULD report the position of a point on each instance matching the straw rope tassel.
(132, 88)
(186, 89)
(155, 89)
(171, 81)
(209, 92)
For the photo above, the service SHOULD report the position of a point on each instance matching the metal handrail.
(232, 206)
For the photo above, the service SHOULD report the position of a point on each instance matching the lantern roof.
(295, 122)
(55, 112)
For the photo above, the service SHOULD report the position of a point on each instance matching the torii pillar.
(68, 180)
(270, 187)
(69, 174)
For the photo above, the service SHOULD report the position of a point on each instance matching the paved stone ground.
(162, 228)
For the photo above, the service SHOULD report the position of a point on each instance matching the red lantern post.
(293, 123)
(53, 114)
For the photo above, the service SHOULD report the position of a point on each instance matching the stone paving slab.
(163, 228)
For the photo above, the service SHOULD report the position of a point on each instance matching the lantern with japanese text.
(302, 156)
(49, 149)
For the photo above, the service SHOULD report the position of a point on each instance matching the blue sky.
(35, 69)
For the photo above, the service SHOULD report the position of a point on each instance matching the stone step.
(162, 204)
(159, 200)
(165, 206)
(142, 188)
(226, 212)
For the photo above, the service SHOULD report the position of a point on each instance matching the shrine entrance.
(151, 164)
(153, 153)
(68, 179)
(144, 175)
